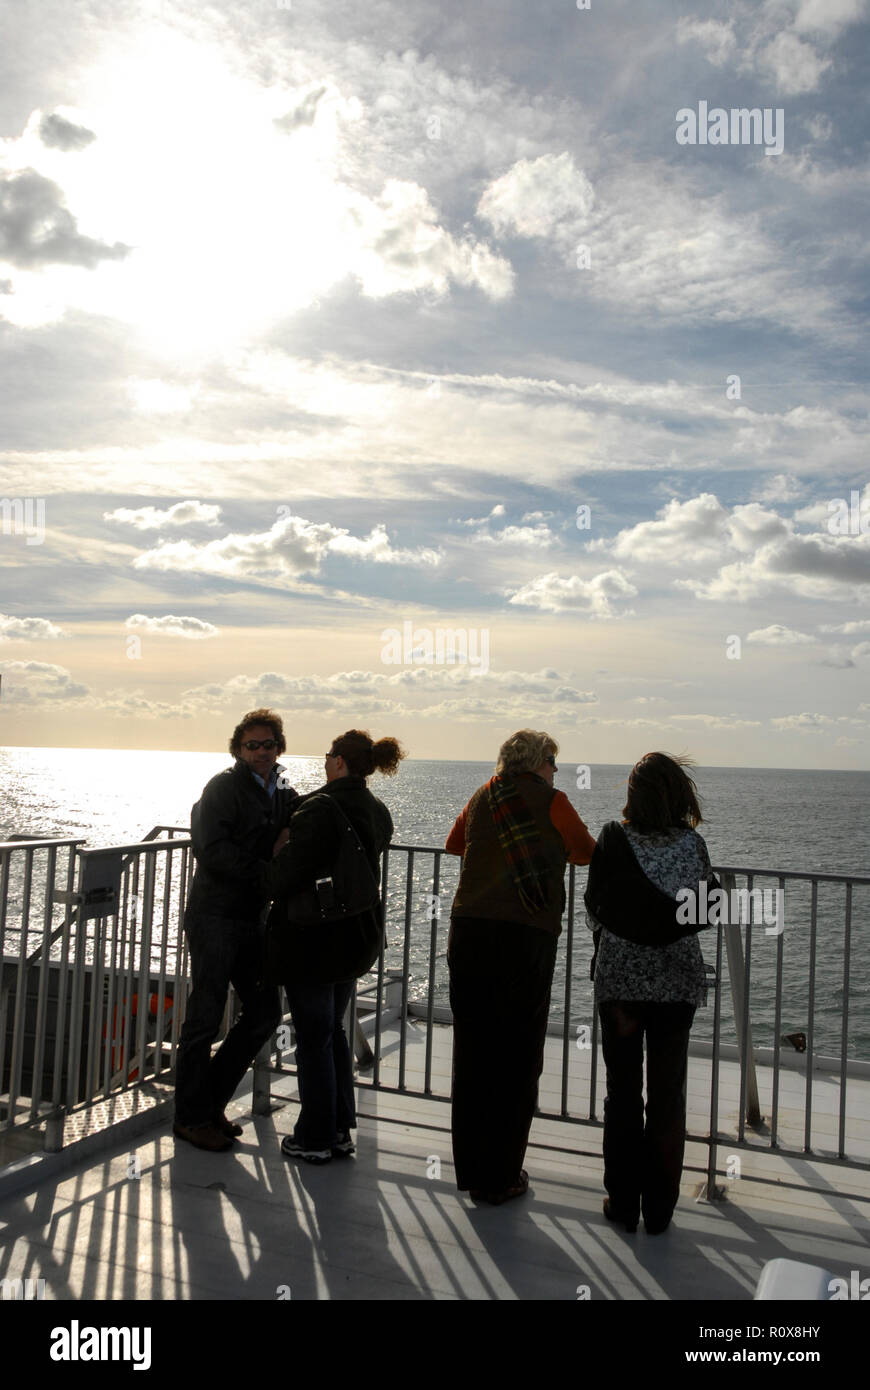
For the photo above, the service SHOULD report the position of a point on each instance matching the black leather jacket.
(234, 826)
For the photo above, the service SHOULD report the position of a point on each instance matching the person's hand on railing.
(282, 840)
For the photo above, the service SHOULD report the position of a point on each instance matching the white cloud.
(778, 636)
(291, 547)
(403, 247)
(39, 683)
(753, 550)
(780, 487)
(470, 695)
(685, 534)
(805, 721)
(828, 16)
(649, 241)
(536, 195)
(27, 629)
(715, 38)
(538, 537)
(555, 593)
(850, 629)
(716, 721)
(172, 626)
(154, 518)
(795, 65)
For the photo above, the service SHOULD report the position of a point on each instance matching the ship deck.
(152, 1218)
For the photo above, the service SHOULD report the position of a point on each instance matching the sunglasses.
(254, 743)
(551, 760)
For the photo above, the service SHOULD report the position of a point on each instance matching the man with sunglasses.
(234, 827)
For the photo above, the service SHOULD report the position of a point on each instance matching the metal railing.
(94, 981)
(90, 1004)
(766, 976)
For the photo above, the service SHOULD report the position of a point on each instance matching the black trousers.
(223, 950)
(500, 978)
(643, 1162)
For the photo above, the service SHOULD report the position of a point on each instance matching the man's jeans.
(323, 1062)
(223, 951)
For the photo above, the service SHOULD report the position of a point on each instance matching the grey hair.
(524, 751)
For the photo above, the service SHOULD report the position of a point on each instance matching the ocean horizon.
(787, 820)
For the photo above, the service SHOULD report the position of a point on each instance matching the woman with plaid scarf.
(515, 836)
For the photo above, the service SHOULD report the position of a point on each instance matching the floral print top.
(671, 859)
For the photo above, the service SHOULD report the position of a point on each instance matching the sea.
(754, 818)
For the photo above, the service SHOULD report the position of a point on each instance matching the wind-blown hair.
(661, 794)
(258, 716)
(363, 756)
(524, 751)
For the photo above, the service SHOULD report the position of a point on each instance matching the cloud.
(715, 38)
(172, 626)
(36, 229)
(304, 112)
(684, 534)
(555, 593)
(803, 722)
(535, 196)
(778, 636)
(402, 247)
(795, 65)
(38, 683)
(538, 537)
(780, 487)
(402, 694)
(154, 519)
(650, 240)
(716, 721)
(790, 48)
(828, 16)
(752, 548)
(27, 629)
(859, 625)
(60, 134)
(291, 547)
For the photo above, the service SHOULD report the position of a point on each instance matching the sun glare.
(232, 221)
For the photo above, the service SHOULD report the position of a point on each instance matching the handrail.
(120, 985)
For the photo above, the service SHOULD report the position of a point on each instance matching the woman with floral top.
(649, 979)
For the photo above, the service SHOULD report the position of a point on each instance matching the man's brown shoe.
(228, 1127)
(206, 1136)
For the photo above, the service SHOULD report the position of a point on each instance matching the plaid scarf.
(520, 839)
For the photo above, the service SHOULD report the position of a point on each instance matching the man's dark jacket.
(234, 826)
(331, 951)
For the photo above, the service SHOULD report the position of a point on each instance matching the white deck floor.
(244, 1224)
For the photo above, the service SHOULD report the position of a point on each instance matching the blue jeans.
(223, 951)
(323, 1062)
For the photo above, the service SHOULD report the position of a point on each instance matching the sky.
(438, 370)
